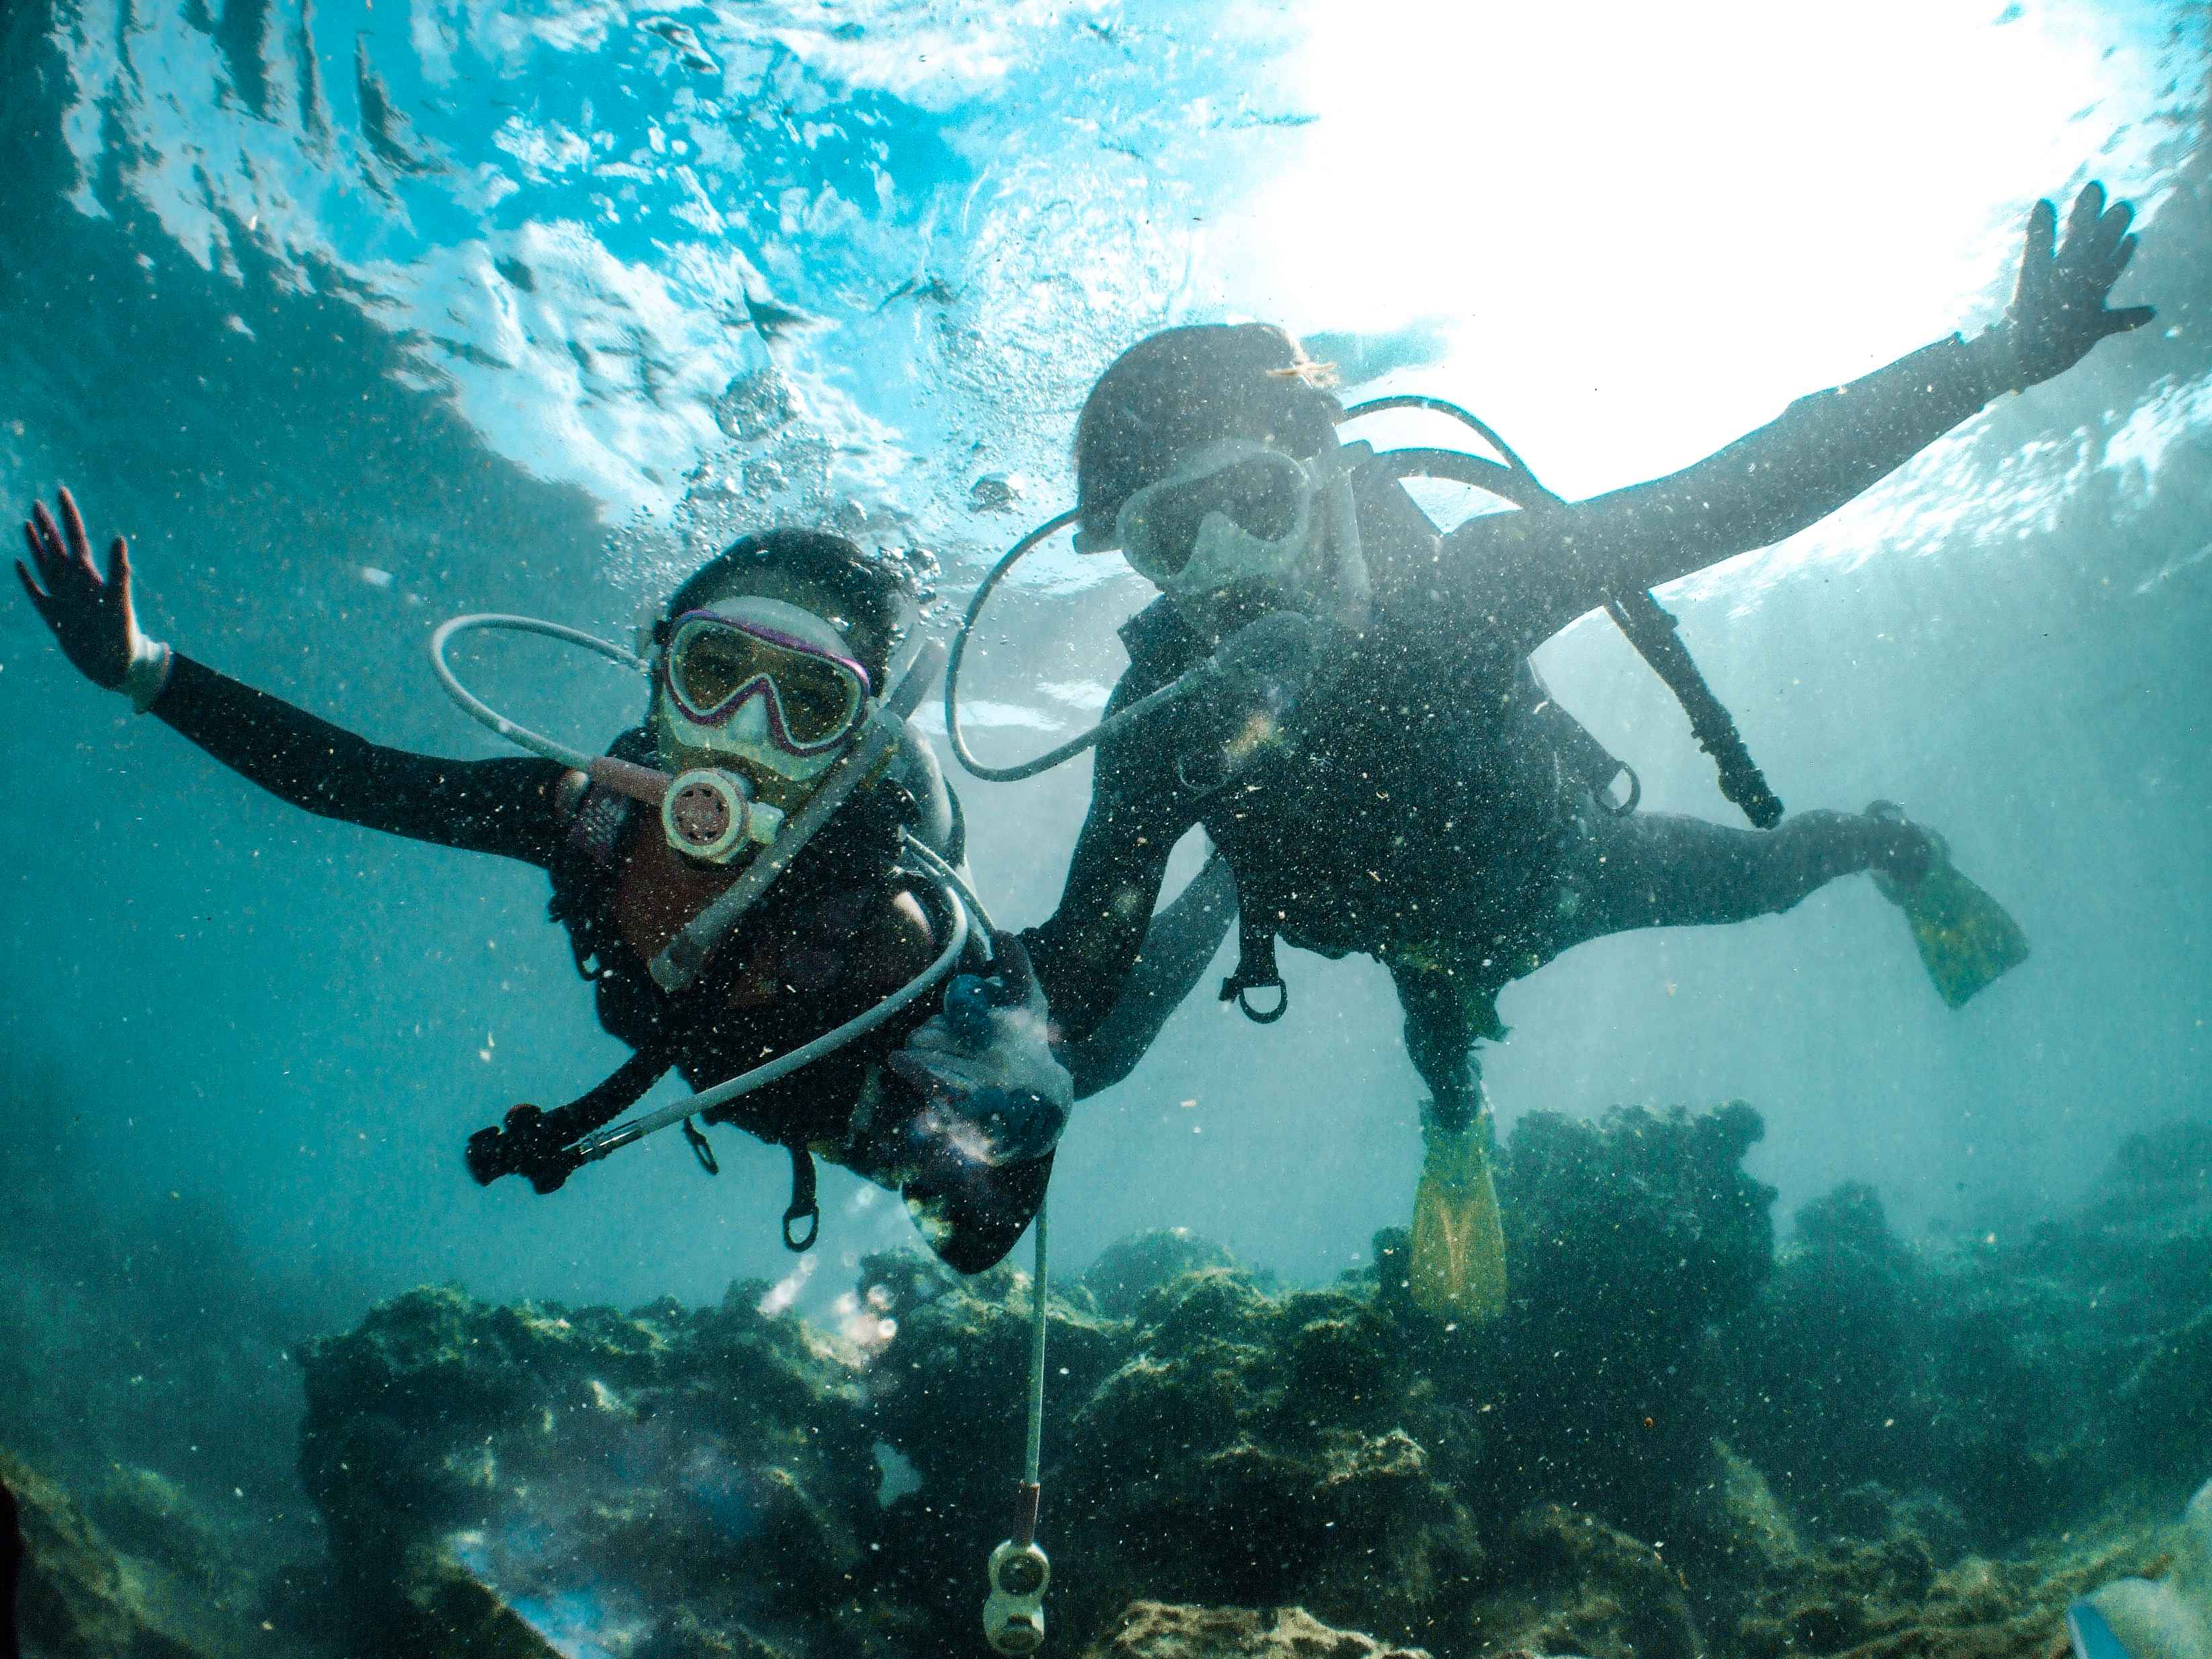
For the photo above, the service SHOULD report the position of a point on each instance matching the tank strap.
(803, 1206)
(1255, 966)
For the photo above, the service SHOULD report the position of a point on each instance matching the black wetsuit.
(526, 809)
(1424, 810)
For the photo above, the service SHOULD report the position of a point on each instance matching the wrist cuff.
(148, 676)
(1997, 359)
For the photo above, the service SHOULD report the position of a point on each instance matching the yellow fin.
(1459, 1243)
(1968, 941)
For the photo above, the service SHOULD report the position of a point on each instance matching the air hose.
(1013, 1615)
(1074, 746)
(594, 1147)
(641, 783)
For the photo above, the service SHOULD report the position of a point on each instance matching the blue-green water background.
(355, 316)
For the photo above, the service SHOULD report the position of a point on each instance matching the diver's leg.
(1440, 1037)
(1457, 1267)
(1663, 870)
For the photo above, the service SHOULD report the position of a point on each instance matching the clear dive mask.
(1236, 516)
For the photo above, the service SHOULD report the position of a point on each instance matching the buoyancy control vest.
(837, 886)
(1290, 819)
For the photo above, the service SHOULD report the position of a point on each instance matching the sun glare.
(1641, 229)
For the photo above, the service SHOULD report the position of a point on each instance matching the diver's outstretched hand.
(2058, 312)
(91, 614)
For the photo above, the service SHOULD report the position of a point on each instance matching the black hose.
(1657, 636)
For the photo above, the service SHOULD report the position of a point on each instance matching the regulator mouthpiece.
(1014, 1616)
(710, 815)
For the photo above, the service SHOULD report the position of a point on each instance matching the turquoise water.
(359, 316)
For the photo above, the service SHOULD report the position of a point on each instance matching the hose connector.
(1014, 1616)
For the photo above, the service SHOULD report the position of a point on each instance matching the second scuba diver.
(1373, 755)
(767, 664)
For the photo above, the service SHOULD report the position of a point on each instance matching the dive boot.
(1459, 1245)
(1967, 939)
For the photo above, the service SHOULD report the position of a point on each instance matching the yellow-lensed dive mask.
(761, 680)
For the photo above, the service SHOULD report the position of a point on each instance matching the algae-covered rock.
(2015, 1379)
(1629, 1241)
(145, 1513)
(1127, 1272)
(488, 1472)
(1210, 1442)
(1258, 1450)
(1889, 1598)
(1668, 1446)
(79, 1599)
(1153, 1629)
(1576, 1585)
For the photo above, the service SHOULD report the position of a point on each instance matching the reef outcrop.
(156, 1581)
(1679, 1441)
(2014, 1380)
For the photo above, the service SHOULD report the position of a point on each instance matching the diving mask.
(1237, 516)
(760, 681)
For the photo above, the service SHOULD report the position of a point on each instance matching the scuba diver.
(1342, 697)
(771, 717)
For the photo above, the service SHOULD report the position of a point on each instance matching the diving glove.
(2059, 308)
(987, 1066)
(1968, 940)
(1459, 1243)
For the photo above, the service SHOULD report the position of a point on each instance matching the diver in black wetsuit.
(1413, 796)
(767, 666)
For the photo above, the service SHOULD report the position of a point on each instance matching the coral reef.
(588, 1470)
(1154, 1630)
(2018, 1380)
(1677, 1442)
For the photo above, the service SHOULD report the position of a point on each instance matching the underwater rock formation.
(1126, 1270)
(82, 1598)
(1671, 1445)
(1209, 1442)
(1153, 1629)
(1889, 1598)
(586, 1469)
(2017, 1380)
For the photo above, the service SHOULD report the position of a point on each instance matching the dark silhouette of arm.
(1177, 946)
(1520, 577)
(506, 806)
(1084, 952)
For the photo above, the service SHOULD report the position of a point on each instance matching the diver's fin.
(1968, 940)
(1459, 1245)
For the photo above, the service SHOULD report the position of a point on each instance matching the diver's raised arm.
(1540, 573)
(511, 807)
